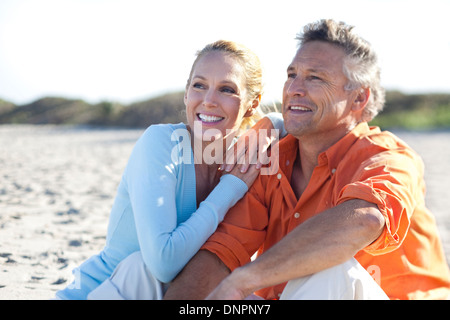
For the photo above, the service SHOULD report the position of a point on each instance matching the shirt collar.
(336, 152)
(333, 155)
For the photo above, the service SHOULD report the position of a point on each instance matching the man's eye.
(198, 85)
(291, 75)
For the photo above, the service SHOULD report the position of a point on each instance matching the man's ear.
(361, 99)
(255, 104)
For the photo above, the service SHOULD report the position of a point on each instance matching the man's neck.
(310, 147)
(309, 151)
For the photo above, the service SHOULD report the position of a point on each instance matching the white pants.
(133, 281)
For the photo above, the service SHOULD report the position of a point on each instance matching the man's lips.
(299, 108)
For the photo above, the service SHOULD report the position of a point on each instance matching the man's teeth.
(206, 118)
(300, 108)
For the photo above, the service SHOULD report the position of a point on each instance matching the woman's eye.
(228, 90)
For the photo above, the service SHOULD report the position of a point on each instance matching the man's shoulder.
(381, 144)
(383, 139)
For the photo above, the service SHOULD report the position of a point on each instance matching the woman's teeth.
(207, 118)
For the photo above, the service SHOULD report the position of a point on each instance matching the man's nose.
(296, 87)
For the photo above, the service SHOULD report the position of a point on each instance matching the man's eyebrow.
(199, 77)
(312, 69)
(318, 70)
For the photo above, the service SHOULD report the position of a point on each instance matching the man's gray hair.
(361, 65)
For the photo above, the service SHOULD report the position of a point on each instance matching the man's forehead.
(318, 55)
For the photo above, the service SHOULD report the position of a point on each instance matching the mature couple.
(346, 199)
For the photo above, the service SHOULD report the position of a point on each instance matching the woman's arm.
(152, 178)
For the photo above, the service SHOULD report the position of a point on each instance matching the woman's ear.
(361, 99)
(185, 97)
(255, 104)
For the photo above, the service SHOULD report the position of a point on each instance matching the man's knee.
(348, 280)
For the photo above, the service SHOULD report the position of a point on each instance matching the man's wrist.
(244, 281)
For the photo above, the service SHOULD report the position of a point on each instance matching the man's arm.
(328, 239)
(198, 278)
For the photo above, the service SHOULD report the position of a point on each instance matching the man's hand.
(226, 291)
(232, 287)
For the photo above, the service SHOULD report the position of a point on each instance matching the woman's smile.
(208, 119)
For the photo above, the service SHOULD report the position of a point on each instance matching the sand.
(56, 191)
(58, 185)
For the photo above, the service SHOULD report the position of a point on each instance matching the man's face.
(314, 98)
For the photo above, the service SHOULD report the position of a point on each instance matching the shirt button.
(296, 215)
(279, 176)
(287, 162)
(333, 171)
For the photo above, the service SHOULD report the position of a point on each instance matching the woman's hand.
(248, 175)
(251, 147)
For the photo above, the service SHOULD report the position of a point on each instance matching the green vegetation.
(413, 111)
(168, 108)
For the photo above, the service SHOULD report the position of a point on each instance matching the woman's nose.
(209, 100)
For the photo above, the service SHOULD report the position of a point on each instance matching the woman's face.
(216, 96)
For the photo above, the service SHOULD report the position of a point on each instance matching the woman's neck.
(210, 153)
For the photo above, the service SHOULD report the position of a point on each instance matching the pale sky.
(131, 50)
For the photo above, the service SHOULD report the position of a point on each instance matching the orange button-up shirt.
(407, 259)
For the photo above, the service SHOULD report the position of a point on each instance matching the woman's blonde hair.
(251, 68)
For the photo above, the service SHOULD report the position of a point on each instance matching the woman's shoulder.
(164, 128)
(163, 132)
(156, 144)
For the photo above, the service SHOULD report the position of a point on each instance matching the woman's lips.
(209, 118)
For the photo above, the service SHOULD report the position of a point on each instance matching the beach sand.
(58, 184)
(57, 188)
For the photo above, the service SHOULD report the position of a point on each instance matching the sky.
(130, 50)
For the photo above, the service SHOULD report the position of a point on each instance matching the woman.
(171, 198)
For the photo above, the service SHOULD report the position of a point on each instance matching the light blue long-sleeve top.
(155, 211)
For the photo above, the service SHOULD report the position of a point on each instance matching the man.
(343, 190)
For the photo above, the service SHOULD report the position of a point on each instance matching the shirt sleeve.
(278, 122)
(152, 185)
(393, 180)
(242, 231)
